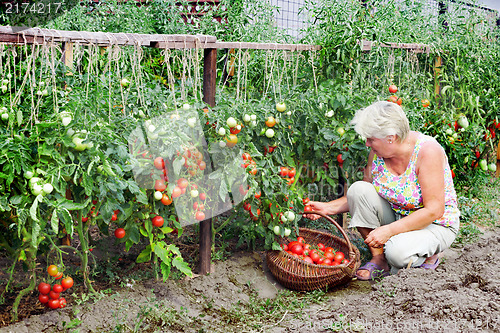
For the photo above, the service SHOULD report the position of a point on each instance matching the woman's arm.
(430, 173)
(339, 206)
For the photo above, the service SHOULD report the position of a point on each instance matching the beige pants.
(369, 210)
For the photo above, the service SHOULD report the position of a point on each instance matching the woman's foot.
(377, 268)
(431, 262)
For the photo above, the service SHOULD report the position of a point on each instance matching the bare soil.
(240, 295)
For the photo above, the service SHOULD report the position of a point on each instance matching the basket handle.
(352, 255)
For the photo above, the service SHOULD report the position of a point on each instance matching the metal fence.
(290, 17)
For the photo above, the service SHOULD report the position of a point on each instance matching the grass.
(478, 213)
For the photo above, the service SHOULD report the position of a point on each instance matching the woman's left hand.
(379, 236)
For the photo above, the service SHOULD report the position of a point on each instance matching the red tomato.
(114, 217)
(339, 256)
(329, 255)
(200, 216)
(393, 89)
(257, 195)
(246, 156)
(329, 249)
(160, 185)
(300, 240)
(120, 233)
(321, 246)
(203, 196)
(54, 295)
(67, 282)
(305, 201)
(202, 165)
(307, 246)
(176, 192)
(59, 276)
(425, 103)
(292, 243)
(159, 163)
(339, 158)
(182, 182)
(297, 249)
(52, 270)
(284, 171)
(292, 172)
(53, 303)
(62, 302)
(158, 221)
(326, 261)
(166, 200)
(314, 256)
(43, 298)
(309, 260)
(85, 219)
(57, 288)
(307, 208)
(44, 288)
(284, 247)
(247, 206)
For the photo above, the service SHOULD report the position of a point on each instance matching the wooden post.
(498, 161)
(209, 86)
(437, 70)
(68, 56)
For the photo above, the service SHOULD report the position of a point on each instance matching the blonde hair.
(380, 120)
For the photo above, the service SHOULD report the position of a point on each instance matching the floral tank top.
(403, 192)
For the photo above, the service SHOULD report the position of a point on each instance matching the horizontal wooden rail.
(20, 35)
(367, 46)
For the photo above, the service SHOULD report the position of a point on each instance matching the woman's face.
(381, 147)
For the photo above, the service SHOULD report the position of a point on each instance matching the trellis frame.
(210, 45)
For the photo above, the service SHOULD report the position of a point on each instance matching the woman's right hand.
(321, 207)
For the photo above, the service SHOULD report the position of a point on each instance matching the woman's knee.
(359, 189)
(397, 256)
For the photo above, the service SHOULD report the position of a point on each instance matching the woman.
(405, 207)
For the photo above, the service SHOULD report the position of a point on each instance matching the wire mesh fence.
(292, 15)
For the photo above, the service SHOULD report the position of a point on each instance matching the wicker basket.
(294, 273)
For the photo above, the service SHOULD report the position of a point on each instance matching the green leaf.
(276, 246)
(177, 165)
(22, 217)
(165, 270)
(88, 183)
(145, 255)
(71, 205)
(66, 219)
(19, 117)
(54, 222)
(162, 253)
(34, 209)
(134, 235)
(4, 204)
(182, 266)
(35, 231)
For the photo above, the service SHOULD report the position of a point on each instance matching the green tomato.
(34, 180)
(158, 195)
(463, 122)
(270, 133)
(124, 82)
(492, 167)
(28, 174)
(483, 164)
(5, 116)
(79, 145)
(287, 232)
(281, 107)
(341, 131)
(290, 216)
(277, 230)
(37, 189)
(47, 188)
(231, 122)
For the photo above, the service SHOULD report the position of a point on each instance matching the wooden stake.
(209, 86)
